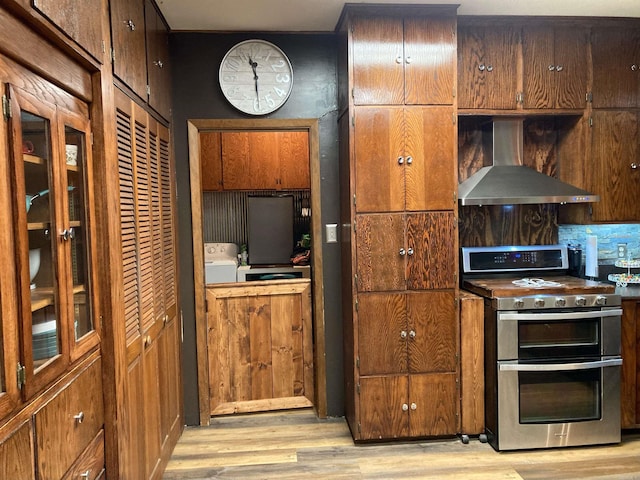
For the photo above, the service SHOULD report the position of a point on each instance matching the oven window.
(558, 397)
(558, 339)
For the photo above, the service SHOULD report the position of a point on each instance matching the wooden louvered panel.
(156, 226)
(168, 245)
(128, 226)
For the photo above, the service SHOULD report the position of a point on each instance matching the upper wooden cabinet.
(616, 67)
(488, 67)
(254, 160)
(408, 60)
(555, 67)
(141, 52)
(403, 159)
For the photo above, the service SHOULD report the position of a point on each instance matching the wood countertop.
(504, 287)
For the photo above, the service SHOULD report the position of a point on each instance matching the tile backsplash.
(609, 236)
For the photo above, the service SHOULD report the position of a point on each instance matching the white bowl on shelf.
(34, 263)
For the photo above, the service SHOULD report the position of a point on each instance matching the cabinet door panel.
(379, 144)
(433, 238)
(612, 177)
(538, 56)
(379, 265)
(487, 67)
(614, 52)
(127, 30)
(432, 317)
(16, 455)
(436, 404)
(249, 160)
(430, 178)
(378, 65)
(211, 161)
(293, 157)
(430, 60)
(382, 415)
(570, 46)
(628, 389)
(157, 41)
(382, 347)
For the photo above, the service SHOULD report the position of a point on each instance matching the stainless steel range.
(552, 349)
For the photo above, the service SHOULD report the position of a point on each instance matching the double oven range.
(552, 349)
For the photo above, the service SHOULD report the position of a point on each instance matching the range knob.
(601, 300)
(539, 302)
(518, 303)
(581, 301)
(560, 301)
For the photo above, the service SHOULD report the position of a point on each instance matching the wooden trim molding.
(194, 127)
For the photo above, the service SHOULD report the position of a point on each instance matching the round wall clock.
(256, 77)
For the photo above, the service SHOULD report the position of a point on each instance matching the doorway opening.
(310, 204)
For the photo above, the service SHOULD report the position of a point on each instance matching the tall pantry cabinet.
(398, 202)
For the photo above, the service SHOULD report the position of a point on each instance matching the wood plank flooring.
(295, 445)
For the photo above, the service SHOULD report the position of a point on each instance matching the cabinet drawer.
(90, 465)
(67, 424)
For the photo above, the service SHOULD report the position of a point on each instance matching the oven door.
(558, 334)
(558, 404)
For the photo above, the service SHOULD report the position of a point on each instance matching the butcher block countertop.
(504, 287)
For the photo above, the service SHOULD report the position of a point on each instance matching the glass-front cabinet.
(50, 160)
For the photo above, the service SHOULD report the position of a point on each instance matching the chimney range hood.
(508, 181)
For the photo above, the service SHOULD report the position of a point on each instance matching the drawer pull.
(86, 474)
(79, 418)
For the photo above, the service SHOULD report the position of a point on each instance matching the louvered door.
(152, 414)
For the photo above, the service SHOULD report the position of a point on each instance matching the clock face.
(256, 77)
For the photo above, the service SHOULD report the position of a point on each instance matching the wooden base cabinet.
(630, 387)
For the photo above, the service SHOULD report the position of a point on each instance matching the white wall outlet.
(331, 232)
(622, 250)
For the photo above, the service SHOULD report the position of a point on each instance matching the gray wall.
(195, 59)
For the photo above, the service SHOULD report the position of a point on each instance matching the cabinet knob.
(66, 234)
(408, 60)
(399, 59)
(559, 68)
(400, 160)
(489, 68)
(79, 418)
(481, 67)
(412, 334)
(409, 160)
(551, 68)
(413, 406)
(634, 166)
(402, 252)
(634, 67)
(403, 335)
(147, 340)
(86, 474)
(405, 407)
(158, 63)
(129, 23)
(410, 251)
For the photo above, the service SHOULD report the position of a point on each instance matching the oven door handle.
(616, 312)
(557, 367)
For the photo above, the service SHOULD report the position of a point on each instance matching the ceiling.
(322, 15)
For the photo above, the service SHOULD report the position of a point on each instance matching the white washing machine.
(220, 262)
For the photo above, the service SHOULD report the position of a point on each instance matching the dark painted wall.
(195, 59)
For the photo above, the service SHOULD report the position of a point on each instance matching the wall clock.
(256, 77)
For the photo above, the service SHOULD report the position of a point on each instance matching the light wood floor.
(295, 445)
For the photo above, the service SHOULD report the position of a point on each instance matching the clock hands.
(254, 65)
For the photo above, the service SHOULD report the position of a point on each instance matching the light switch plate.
(331, 232)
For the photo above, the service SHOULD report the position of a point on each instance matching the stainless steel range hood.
(508, 181)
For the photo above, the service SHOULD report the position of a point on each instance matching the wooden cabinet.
(17, 459)
(488, 67)
(260, 346)
(555, 67)
(391, 65)
(616, 67)
(471, 363)
(141, 53)
(151, 402)
(398, 195)
(402, 158)
(68, 424)
(630, 385)
(615, 172)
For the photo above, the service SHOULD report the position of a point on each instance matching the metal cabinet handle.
(402, 252)
(489, 68)
(481, 67)
(399, 59)
(403, 335)
(79, 418)
(158, 63)
(400, 160)
(410, 251)
(559, 68)
(86, 474)
(405, 407)
(634, 67)
(551, 68)
(409, 160)
(412, 334)
(147, 340)
(634, 166)
(408, 60)
(129, 23)
(414, 406)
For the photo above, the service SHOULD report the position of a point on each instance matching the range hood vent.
(508, 181)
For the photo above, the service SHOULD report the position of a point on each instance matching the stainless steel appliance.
(552, 349)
